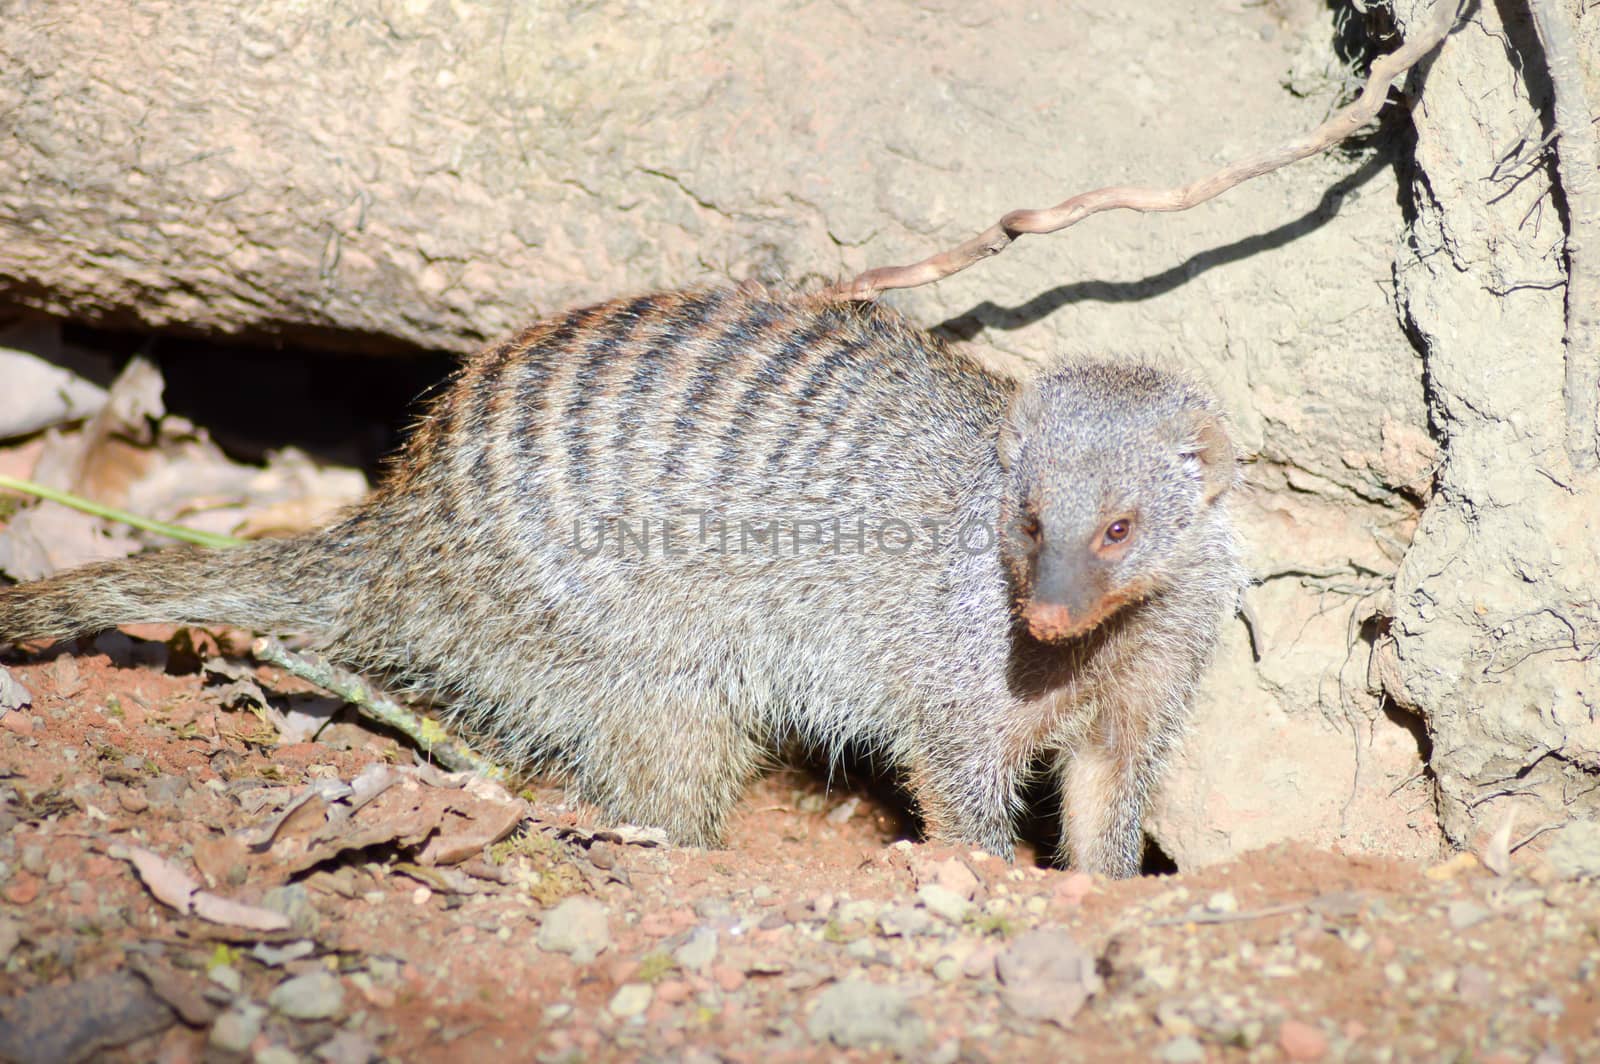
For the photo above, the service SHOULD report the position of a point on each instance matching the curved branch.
(999, 236)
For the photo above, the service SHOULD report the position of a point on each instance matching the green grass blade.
(77, 502)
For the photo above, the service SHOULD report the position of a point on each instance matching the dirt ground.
(821, 932)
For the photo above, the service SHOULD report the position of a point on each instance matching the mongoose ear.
(1209, 444)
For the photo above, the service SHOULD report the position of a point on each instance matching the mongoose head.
(1110, 474)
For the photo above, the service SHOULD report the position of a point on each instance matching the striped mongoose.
(648, 543)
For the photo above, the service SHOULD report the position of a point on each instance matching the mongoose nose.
(1051, 622)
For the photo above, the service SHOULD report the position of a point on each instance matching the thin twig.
(999, 236)
(1232, 918)
(214, 540)
(429, 736)
(1578, 166)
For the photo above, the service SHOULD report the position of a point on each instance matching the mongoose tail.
(270, 585)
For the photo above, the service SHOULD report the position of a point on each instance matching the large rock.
(1495, 617)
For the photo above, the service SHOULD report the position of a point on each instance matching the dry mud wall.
(1383, 324)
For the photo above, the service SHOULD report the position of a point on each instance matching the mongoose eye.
(1118, 530)
(1029, 525)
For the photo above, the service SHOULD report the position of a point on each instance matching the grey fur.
(660, 674)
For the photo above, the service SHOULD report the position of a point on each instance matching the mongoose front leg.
(1106, 782)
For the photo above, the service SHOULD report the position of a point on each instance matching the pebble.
(979, 963)
(857, 1014)
(953, 875)
(579, 927)
(313, 996)
(673, 991)
(1302, 1041)
(697, 954)
(1574, 850)
(904, 922)
(944, 903)
(858, 912)
(347, 1047)
(631, 999)
(1464, 914)
(165, 789)
(1047, 976)
(294, 901)
(276, 1055)
(1222, 901)
(10, 935)
(234, 1030)
(727, 977)
(14, 696)
(1185, 1050)
(226, 977)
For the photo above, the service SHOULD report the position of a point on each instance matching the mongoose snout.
(1092, 568)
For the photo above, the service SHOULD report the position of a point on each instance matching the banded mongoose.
(648, 543)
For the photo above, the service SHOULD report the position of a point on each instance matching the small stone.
(858, 912)
(10, 936)
(823, 905)
(944, 903)
(1185, 1050)
(14, 696)
(857, 1014)
(313, 996)
(980, 963)
(277, 956)
(579, 927)
(673, 991)
(294, 901)
(1574, 850)
(234, 1030)
(1463, 914)
(697, 954)
(1302, 1041)
(226, 977)
(953, 875)
(22, 889)
(728, 978)
(1170, 1015)
(631, 999)
(1047, 976)
(276, 1055)
(1160, 976)
(347, 1047)
(904, 922)
(165, 789)
(1548, 1006)
(1394, 973)
(1222, 901)
(947, 969)
(862, 950)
